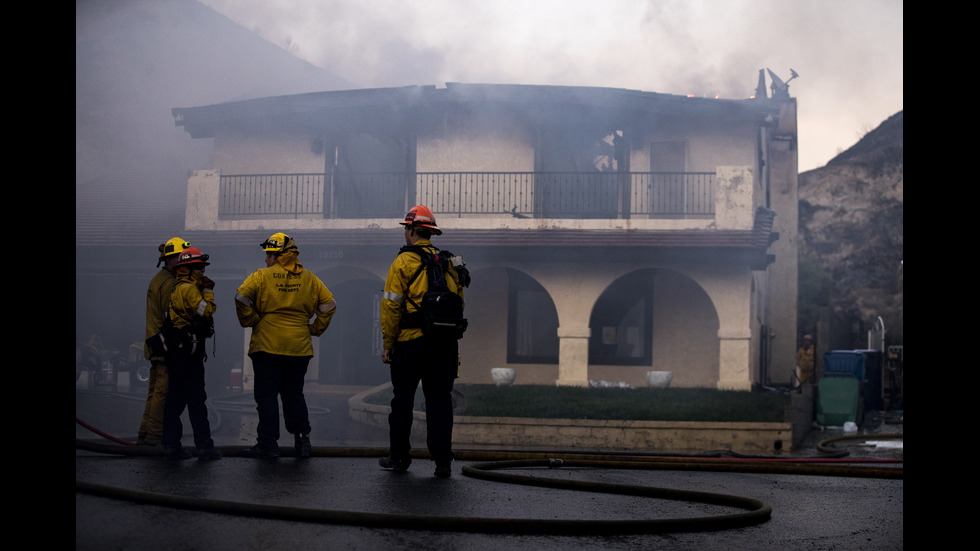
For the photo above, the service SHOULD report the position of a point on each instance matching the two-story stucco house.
(609, 232)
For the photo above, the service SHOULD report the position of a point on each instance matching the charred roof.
(393, 108)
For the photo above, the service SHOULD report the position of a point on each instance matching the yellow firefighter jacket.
(394, 302)
(157, 304)
(278, 303)
(189, 303)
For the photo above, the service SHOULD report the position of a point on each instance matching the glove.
(207, 283)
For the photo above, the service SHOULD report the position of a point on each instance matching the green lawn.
(641, 404)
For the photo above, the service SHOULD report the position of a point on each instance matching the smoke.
(849, 54)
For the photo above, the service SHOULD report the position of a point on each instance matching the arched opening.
(532, 321)
(685, 335)
(655, 319)
(350, 354)
(622, 322)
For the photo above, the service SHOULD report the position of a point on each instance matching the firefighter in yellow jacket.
(416, 358)
(157, 304)
(190, 324)
(804, 361)
(285, 305)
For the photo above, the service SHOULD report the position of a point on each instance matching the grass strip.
(638, 404)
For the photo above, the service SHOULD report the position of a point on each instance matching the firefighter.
(278, 302)
(805, 361)
(157, 303)
(191, 323)
(416, 358)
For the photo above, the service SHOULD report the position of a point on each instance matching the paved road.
(356, 505)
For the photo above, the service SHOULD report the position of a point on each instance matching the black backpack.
(440, 314)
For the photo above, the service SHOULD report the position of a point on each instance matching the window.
(622, 322)
(368, 176)
(532, 324)
(667, 190)
(577, 172)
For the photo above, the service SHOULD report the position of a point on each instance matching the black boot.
(396, 465)
(260, 452)
(303, 447)
(208, 454)
(443, 470)
(177, 453)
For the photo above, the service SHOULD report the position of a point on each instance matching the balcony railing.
(520, 194)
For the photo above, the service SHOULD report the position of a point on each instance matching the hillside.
(851, 225)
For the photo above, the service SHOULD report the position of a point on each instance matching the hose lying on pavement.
(855, 468)
(754, 511)
(104, 434)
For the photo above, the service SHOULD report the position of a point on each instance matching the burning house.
(609, 232)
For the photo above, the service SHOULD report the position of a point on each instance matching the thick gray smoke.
(849, 54)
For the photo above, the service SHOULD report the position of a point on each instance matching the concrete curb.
(608, 435)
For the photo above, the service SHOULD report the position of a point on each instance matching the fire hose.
(487, 466)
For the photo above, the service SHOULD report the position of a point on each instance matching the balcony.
(573, 195)
(723, 199)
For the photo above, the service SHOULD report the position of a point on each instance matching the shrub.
(639, 404)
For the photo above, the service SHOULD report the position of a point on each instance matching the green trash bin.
(839, 401)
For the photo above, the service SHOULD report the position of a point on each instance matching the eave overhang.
(747, 246)
(384, 107)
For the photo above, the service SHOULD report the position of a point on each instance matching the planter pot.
(502, 375)
(659, 379)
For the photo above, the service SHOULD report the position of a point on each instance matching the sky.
(848, 53)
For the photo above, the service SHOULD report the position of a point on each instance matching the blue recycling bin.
(844, 363)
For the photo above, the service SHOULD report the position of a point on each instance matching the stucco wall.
(706, 145)
(266, 153)
(475, 145)
(784, 272)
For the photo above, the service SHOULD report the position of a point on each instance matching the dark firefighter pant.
(185, 389)
(278, 376)
(434, 364)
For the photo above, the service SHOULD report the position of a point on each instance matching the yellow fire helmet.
(173, 246)
(278, 243)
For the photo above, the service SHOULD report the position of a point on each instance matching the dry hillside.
(851, 220)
